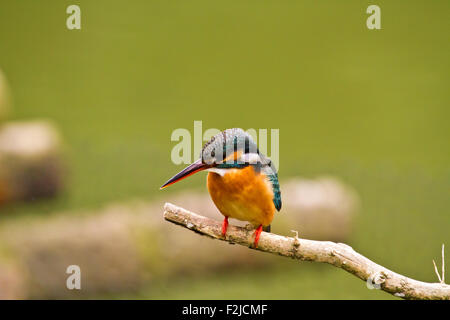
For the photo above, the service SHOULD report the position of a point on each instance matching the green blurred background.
(371, 107)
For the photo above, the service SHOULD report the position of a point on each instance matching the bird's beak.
(186, 172)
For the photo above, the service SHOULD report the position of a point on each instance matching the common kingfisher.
(242, 182)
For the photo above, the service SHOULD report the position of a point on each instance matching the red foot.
(224, 226)
(257, 234)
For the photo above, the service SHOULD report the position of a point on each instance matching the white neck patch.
(219, 171)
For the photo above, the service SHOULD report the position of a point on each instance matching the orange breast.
(243, 194)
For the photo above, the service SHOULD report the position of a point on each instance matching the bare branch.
(338, 254)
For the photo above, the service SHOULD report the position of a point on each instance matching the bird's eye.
(213, 153)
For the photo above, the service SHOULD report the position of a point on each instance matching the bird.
(242, 182)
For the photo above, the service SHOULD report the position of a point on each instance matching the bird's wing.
(273, 178)
(270, 171)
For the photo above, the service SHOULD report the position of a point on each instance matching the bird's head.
(230, 149)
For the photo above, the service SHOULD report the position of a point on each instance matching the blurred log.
(124, 246)
(12, 281)
(30, 161)
(337, 254)
(320, 209)
(119, 249)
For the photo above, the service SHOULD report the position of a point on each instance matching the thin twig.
(443, 264)
(336, 254)
(441, 278)
(437, 272)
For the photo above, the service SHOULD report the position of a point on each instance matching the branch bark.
(337, 254)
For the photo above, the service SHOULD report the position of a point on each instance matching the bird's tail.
(267, 228)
